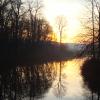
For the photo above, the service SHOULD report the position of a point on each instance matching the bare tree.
(61, 25)
(90, 36)
(34, 8)
(4, 20)
(15, 22)
(99, 33)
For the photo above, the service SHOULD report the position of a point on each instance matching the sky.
(71, 9)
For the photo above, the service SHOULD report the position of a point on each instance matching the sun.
(71, 9)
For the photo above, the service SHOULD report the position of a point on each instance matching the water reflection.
(90, 72)
(68, 83)
(59, 84)
(48, 81)
(26, 82)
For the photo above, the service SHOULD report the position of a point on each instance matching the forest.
(25, 34)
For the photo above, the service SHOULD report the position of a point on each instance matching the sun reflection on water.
(74, 79)
(70, 84)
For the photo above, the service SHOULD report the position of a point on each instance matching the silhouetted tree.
(4, 20)
(61, 25)
(91, 26)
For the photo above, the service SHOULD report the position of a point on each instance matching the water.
(49, 81)
(70, 84)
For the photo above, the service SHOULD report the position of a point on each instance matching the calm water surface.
(68, 84)
(49, 81)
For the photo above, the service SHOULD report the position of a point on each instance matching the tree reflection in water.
(60, 85)
(91, 72)
(30, 82)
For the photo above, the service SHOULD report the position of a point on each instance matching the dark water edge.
(28, 53)
(90, 72)
(21, 82)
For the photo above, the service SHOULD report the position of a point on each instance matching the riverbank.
(28, 52)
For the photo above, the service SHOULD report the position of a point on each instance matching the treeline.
(21, 20)
(25, 35)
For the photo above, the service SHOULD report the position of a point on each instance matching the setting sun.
(70, 9)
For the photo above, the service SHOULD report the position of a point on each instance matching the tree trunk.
(99, 37)
(93, 45)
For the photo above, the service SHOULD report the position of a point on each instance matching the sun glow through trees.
(69, 8)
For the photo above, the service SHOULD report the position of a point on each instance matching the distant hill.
(74, 46)
(71, 46)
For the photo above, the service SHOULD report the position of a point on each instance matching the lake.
(47, 81)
